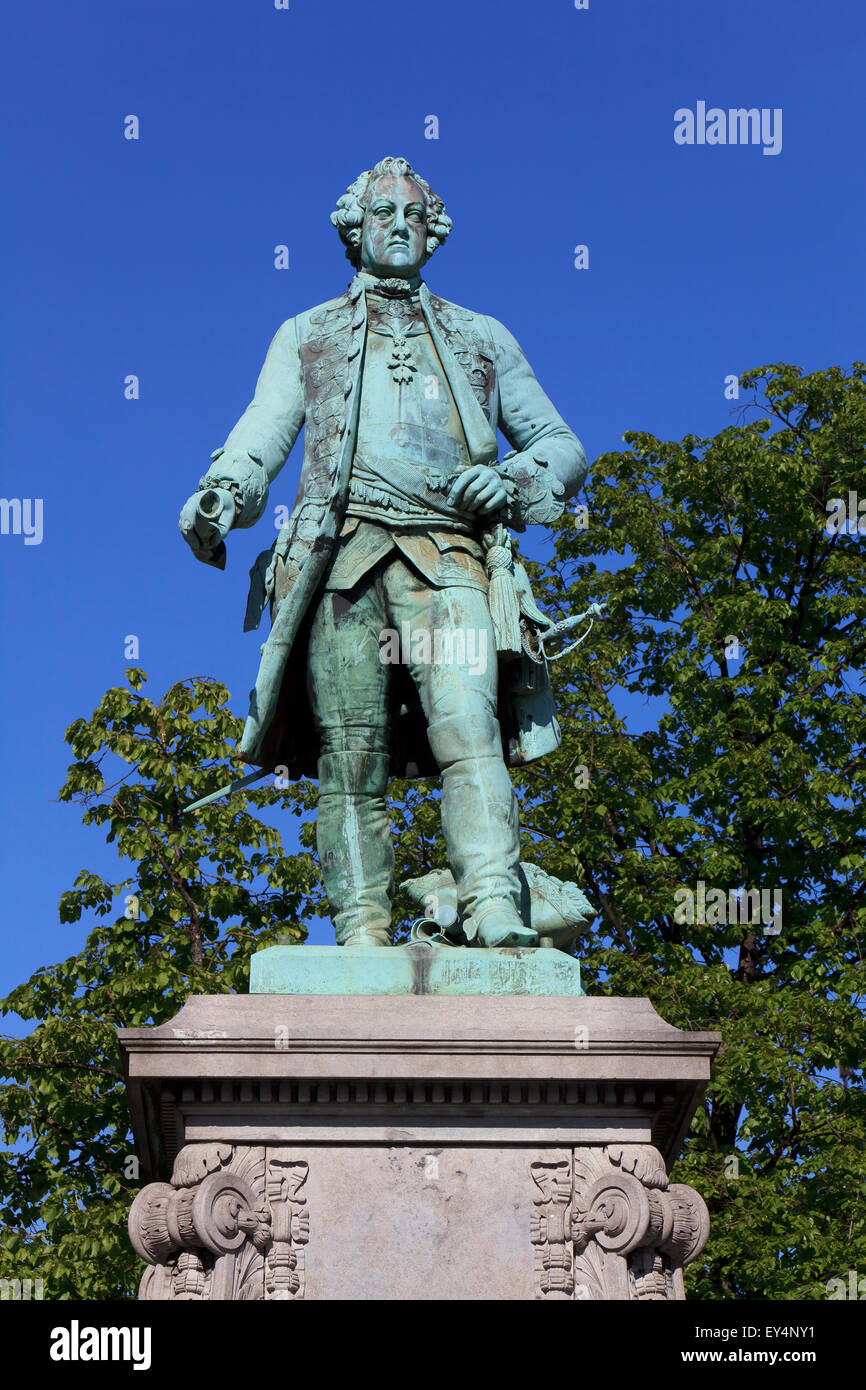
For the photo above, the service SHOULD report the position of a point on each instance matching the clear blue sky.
(156, 257)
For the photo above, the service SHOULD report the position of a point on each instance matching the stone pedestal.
(414, 1146)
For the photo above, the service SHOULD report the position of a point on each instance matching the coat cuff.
(246, 479)
(536, 496)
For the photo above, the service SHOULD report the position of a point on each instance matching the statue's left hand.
(478, 489)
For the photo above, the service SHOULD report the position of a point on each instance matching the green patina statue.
(404, 637)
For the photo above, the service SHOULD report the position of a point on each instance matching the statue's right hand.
(205, 521)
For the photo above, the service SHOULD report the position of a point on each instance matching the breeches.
(443, 636)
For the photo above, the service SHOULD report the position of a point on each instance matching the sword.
(228, 790)
(565, 626)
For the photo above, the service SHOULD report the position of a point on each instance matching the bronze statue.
(404, 637)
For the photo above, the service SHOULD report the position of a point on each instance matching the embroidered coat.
(312, 378)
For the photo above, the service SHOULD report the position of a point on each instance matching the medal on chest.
(399, 321)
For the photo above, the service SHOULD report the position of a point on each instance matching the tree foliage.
(733, 606)
(751, 778)
(204, 892)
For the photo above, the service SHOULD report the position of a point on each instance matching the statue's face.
(394, 234)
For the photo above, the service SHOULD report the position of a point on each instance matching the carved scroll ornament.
(231, 1225)
(607, 1224)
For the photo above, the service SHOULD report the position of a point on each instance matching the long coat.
(312, 377)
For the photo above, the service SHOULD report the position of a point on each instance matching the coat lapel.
(479, 436)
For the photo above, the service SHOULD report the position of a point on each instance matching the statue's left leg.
(452, 660)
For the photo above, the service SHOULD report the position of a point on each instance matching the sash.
(411, 492)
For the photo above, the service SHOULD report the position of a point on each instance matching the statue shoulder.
(457, 313)
(502, 336)
(485, 325)
(509, 353)
(323, 317)
(286, 336)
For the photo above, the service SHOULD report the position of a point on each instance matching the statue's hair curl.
(349, 215)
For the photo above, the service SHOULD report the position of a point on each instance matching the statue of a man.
(404, 637)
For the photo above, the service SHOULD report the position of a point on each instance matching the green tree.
(751, 776)
(736, 604)
(205, 891)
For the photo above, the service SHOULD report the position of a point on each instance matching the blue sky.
(156, 257)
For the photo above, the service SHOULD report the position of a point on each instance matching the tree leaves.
(736, 606)
(201, 894)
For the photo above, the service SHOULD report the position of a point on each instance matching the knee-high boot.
(480, 824)
(353, 835)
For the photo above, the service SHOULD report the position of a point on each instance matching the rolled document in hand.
(214, 515)
(210, 504)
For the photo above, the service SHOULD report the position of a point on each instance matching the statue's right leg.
(348, 693)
